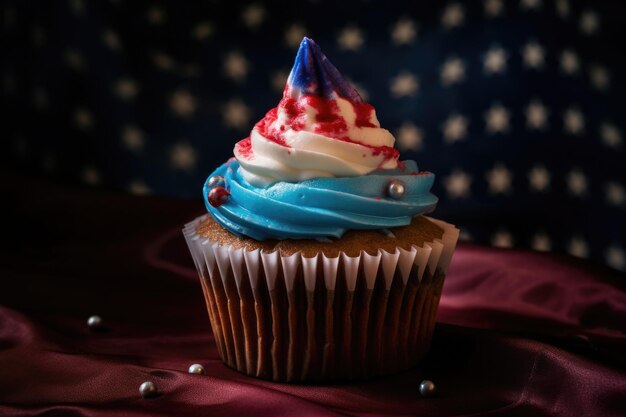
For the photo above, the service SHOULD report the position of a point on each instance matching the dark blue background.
(65, 119)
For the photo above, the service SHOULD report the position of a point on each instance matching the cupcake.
(316, 258)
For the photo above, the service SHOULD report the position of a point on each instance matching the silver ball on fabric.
(396, 189)
(94, 322)
(216, 180)
(196, 368)
(428, 388)
(148, 389)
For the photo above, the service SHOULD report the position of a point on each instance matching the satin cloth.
(519, 333)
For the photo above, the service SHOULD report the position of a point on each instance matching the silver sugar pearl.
(428, 388)
(396, 189)
(215, 181)
(94, 322)
(148, 389)
(196, 368)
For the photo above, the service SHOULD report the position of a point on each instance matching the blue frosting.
(320, 207)
(314, 74)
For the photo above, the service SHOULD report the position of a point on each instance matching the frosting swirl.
(317, 165)
(312, 137)
(320, 128)
(321, 207)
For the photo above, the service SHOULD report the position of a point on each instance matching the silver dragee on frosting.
(317, 165)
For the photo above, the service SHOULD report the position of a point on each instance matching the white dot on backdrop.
(600, 77)
(616, 257)
(404, 84)
(83, 119)
(77, 7)
(350, 38)
(533, 55)
(254, 15)
(454, 128)
(183, 156)
(577, 246)
(611, 135)
(403, 31)
(139, 187)
(577, 182)
(569, 62)
(541, 242)
(156, 15)
(236, 114)
(458, 184)
(562, 8)
(589, 22)
(573, 121)
(615, 194)
(294, 34)
(539, 178)
(453, 16)
(202, 31)
(452, 71)
(410, 136)
(133, 138)
(163, 61)
(236, 66)
(182, 103)
(493, 8)
(497, 119)
(499, 179)
(536, 115)
(111, 40)
(90, 175)
(502, 239)
(494, 61)
(126, 89)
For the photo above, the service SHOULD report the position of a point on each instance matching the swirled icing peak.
(313, 73)
(321, 128)
(317, 165)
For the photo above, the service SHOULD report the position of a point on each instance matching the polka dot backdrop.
(516, 106)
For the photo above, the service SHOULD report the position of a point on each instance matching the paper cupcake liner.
(293, 318)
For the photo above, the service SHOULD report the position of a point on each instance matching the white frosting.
(312, 155)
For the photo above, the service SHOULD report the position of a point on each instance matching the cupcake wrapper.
(293, 318)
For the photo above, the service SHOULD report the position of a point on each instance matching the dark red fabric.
(519, 333)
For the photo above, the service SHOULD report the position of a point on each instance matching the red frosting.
(363, 114)
(329, 123)
(244, 148)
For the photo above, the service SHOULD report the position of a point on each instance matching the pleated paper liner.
(292, 318)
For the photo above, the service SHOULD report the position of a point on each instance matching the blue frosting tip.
(313, 73)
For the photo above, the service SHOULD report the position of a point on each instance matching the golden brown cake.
(420, 230)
